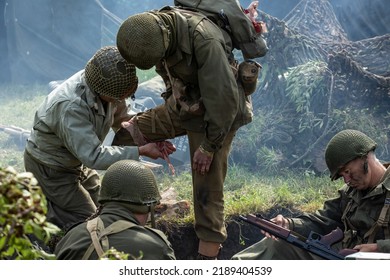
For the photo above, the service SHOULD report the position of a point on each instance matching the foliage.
(260, 145)
(23, 210)
(307, 87)
(363, 119)
(291, 132)
(113, 254)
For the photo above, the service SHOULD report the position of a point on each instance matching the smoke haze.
(45, 40)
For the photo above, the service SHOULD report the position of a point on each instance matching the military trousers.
(71, 195)
(207, 189)
(270, 249)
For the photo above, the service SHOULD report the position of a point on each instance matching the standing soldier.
(202, 100)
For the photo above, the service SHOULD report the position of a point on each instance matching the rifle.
(317, 244)
(18, 134)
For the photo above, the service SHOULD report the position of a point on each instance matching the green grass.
(244, 191)
(17, 106)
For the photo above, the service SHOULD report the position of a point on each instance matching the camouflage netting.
(314, 83)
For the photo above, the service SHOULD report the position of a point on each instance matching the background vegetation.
(247, 189)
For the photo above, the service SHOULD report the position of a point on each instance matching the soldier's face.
(355, 174)
(114, 100)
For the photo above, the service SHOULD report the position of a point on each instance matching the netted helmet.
(107, 73)
(143, 39)
(131, 182)
(345, 146)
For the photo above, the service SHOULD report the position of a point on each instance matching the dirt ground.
(240, 236)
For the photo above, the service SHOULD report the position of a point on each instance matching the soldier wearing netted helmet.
(203, 100)
(66, 148)
(361, 208)
(127, 199)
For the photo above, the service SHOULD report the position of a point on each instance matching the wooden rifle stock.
(316, 243)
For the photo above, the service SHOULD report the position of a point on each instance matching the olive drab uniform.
(202, 101)
(379, 231)
(365, 218)
(65, 148)
(114, 228)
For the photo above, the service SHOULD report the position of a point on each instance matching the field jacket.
(202, 61)
(70, 126)
(364, 218)
(138, 242)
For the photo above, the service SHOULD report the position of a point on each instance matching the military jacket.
(138, 241)
(71, 124)
(353, 211)
(202, 60)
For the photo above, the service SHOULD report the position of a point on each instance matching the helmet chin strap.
(152, 217)
(365, 167)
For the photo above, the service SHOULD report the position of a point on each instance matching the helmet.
(142, 39)
(344, 147)
(107, 73)
(130, 182)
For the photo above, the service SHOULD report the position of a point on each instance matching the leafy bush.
(22, 215)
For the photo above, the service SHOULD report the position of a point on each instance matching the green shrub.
(22, 214)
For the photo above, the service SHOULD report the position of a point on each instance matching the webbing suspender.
(382, 222)
(99, 234)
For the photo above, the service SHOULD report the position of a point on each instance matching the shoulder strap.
(346, 211)
(94, 227)
(382, 222)
(99, 235)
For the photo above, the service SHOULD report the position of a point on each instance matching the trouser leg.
(208, 197)
(270, 249)
(158, 124)
(68, 201)
(153, 125)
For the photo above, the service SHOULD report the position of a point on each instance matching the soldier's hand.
(280, 221)
(168, 147)
(201, 162)
(372, 247)
(150, 150)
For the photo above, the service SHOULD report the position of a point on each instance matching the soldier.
(65, 148)
(361, 208)
(128, 195)
(202, 100)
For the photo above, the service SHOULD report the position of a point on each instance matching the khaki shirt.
(70, 126)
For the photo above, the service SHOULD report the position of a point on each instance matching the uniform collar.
(182, 41)
(119, 210)
(386, 177)
(383, 186)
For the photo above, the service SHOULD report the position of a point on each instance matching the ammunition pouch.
(351, 239)
(248, 73)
